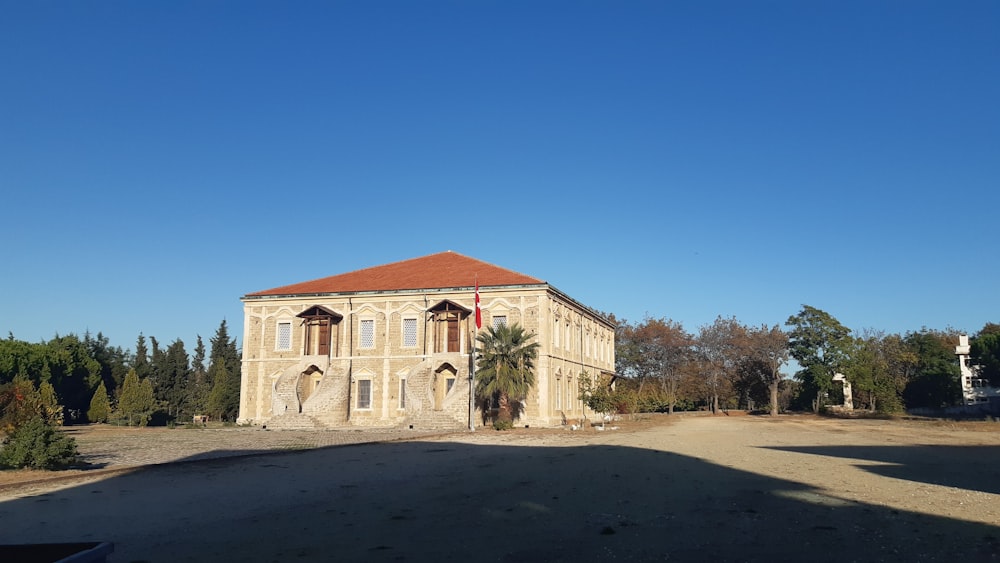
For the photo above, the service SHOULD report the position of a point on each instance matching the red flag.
(479, 313)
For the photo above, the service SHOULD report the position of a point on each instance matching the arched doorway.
(307, 384)
(444, 381)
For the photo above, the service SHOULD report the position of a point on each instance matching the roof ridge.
(495, 266)
(428, 271)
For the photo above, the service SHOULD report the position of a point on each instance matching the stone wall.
(581, 345)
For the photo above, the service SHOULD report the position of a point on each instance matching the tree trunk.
(774, 397)
(715, 403)
(503, 408)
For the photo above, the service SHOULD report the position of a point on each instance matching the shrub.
(38, 445)
(502, 424)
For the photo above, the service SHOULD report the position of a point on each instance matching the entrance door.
(447, 326)
(453, 335)
(324, 337)
(319, 330)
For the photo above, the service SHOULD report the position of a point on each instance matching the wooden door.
(324, 338)
(453, 335)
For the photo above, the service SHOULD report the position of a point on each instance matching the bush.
(38, 445)
(502, 424)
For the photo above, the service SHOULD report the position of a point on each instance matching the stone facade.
(381, 357)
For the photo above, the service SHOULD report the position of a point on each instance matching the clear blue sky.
(158, 160)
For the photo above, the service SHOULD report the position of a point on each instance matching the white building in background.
(975, 389)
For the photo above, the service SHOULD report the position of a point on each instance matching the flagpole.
(472, 372)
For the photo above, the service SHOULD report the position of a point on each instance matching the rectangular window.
(402, 393)
(499, 321)
(409, 333)
(284, 338)
(450, 382)
(364, 393)
(368, 333)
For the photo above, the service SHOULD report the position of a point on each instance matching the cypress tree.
(224, 373)
(174, 379)
(100, 405)
(140, 361)
(136, 403)
(51, 410)
(220, 401)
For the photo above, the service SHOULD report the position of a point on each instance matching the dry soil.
(684, 488)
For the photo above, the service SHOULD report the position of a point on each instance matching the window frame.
(277, 335)
(361, 334)
(403, 334)
(368, 406)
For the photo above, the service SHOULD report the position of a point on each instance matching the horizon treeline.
(725, 364)
(89, 375)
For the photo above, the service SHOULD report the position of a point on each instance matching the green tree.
(222, 402)
(935, 382)
(73, 373)
(985, 352)
(602, 397)
(174, 377)
(819, 343)
(18, 358)
(136, 403)
(156, 377)
(51, 410)
(198, 387)
(505, 370)
(654, 352)
(140, 360)
(224, 373)
(100, 405)
(20, 402)
(765, 352)
(875, 371)
(38, 445)
(719, 346)
(112, 359)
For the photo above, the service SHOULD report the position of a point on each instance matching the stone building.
(391, 346)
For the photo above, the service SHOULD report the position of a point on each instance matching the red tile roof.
(435, 271)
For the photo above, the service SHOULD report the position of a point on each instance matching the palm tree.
(506, 366)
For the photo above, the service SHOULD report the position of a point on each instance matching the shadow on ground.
(441, 501)
(974, 468)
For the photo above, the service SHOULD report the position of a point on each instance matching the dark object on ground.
(84, 552)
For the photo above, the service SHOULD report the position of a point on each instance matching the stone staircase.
(420, 412)
(436, 421)
(325, 407)
(294, 421)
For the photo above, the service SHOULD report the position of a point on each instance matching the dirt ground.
(682, 488)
